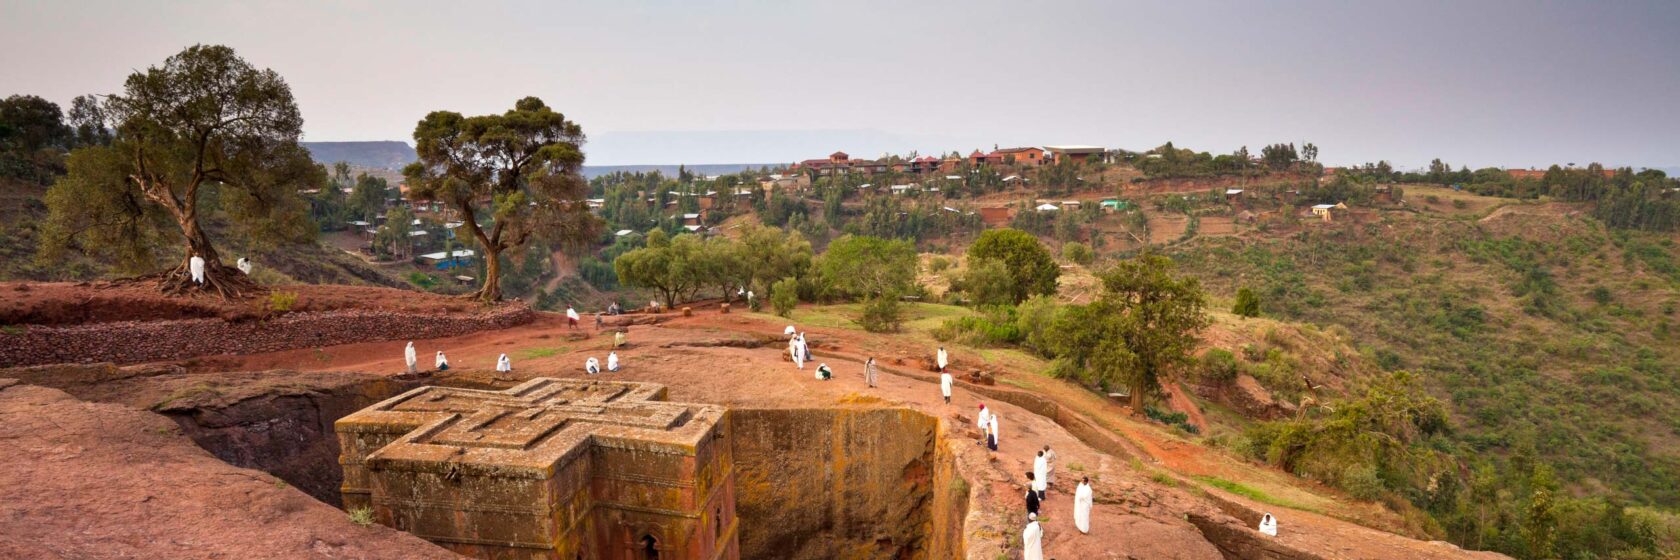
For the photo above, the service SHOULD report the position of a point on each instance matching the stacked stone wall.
(128, 342)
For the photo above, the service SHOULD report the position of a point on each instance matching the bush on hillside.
(1077, 252)
(784, 295)
(882, 314)
(1248, 304)
(1218, 366)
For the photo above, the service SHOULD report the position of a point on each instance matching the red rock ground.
(88, 480)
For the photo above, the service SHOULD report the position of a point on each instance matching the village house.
(1325, 211)
(1028, 156)
(1060, 154)
(995, 215)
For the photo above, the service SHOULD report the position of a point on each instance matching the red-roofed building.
(1028, 156)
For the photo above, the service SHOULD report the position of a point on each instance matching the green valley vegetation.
(1527, 372)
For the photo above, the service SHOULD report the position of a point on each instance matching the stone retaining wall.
(129, 342)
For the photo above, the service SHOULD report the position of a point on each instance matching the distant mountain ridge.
(394, 154)
(378, 154)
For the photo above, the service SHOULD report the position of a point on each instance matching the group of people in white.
(195, 268)
(412, 358)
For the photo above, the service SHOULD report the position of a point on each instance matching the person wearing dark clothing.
(1032, 496)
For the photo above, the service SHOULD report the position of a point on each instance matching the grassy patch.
(1252, 493)
(539, 352)
(13, 329)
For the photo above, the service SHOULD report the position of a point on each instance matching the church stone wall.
(549, 469)
(844, 483)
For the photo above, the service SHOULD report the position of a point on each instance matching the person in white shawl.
(571, 318)
(612, 361)
(245, 265)
(503, 365)
(1268, 525)
(1041, 474)
(1082, 506)
(984, 421)
(944, 359)
(592, 365)
(797, 352)
(945, 386)
(789, 331)
(195, 265)
(409, 357)
(442, 362)
(996, 435)
(1032, 539)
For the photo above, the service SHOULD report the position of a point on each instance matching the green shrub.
(1361, 481)
(280, 302)
(422, 280)
(1077, 252)
(1600, 295)
(1219, 366)
(881, 314)
(939, 264)
(784, 295)
(1247, 305)
(362, 516)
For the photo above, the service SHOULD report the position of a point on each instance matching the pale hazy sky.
(1515, 83)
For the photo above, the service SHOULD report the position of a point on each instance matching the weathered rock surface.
(94, 480)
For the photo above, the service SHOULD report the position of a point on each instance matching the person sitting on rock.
(592, 366)
(823, 373)
(612, 361)
(442, 362)
(503, 365)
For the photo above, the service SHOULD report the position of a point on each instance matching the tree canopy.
(204, 124)
(1029, 263)
(517, 173)
(1142, 326)
(864, 267)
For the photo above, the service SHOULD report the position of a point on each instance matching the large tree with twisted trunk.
(206, 130)
(519, 170)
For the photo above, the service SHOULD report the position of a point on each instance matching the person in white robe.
(797, 353)
(245, 265)
(195, 265)
(789, 331)
(945, 386)
(1032, 539)
(749, 299)
(1041, 474)
(1268, 525)
(571, 318)
(592, 365)
(870, 372)
(442, 362)
(1050, 460)
(1082, 500)
(984, 421)
(996, 435)
(409, 356)
(503, 364)
(944, 359)
(805, 347)
(823, 373)
(612, 361)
